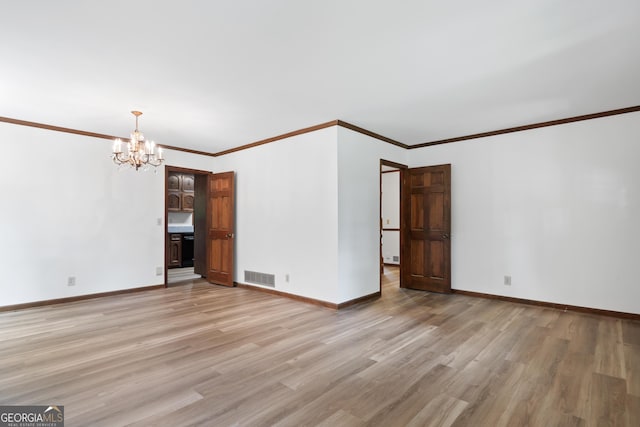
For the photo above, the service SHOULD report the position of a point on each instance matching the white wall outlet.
(71, 281)
(507, 280)
(159, 221)
(159, 271)
(286, 277)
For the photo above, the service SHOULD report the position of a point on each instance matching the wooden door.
(220, 228)
(427, 229)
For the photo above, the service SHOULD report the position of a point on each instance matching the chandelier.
(139, 152)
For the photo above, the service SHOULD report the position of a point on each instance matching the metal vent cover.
(396, 258)
(264, 279)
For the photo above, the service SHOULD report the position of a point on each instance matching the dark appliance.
(187, 249)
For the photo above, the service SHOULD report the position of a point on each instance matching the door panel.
(417, 257)
(417, 211)
(436, 256)
(220, 234)
(436, 211)
(428, 226)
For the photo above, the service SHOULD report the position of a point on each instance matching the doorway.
(185, 224)
(391, 175)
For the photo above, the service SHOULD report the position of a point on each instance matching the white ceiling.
(211, 75)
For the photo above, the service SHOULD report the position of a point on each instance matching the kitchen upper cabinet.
(174, 182)
(188, 183)
(187, 202)
(174, 201)
(181, 193)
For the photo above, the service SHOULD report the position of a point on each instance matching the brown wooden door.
(427, 229)
(220, 228)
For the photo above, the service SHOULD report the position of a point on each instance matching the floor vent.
(260, 278)
(396, 258)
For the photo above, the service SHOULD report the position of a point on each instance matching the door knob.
(229, 235)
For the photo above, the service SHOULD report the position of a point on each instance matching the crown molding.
(279, 137)
(371, 134)
(340, 123)
(91, 134)
(56, 128)
(530, 126)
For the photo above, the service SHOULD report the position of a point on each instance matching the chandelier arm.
(119, 160)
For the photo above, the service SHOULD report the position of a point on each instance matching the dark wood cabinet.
(174, 182)
(174, 202)
(187, 202)
(181, 192)
(175, 250)
(188, 183)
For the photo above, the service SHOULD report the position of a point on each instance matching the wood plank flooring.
(178, 275)
(199, 354)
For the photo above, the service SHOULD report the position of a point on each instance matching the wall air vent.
(396, 258)
(263, 279)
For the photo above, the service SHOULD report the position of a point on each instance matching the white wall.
(287, 212)
(180, 218)
(309, 206)
(391, 216)
(359, 211)
(84, 218)
(67, 211)
(556, 208)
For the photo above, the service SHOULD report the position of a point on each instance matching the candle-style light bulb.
(117, 146)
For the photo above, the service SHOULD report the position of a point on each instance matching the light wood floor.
(178, 275)
(205, 355)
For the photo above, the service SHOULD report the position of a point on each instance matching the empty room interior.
(338, 213)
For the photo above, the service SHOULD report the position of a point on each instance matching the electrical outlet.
(159, 271)
(507, 280)
(159, 221)
(286, 277)
(71, 281)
